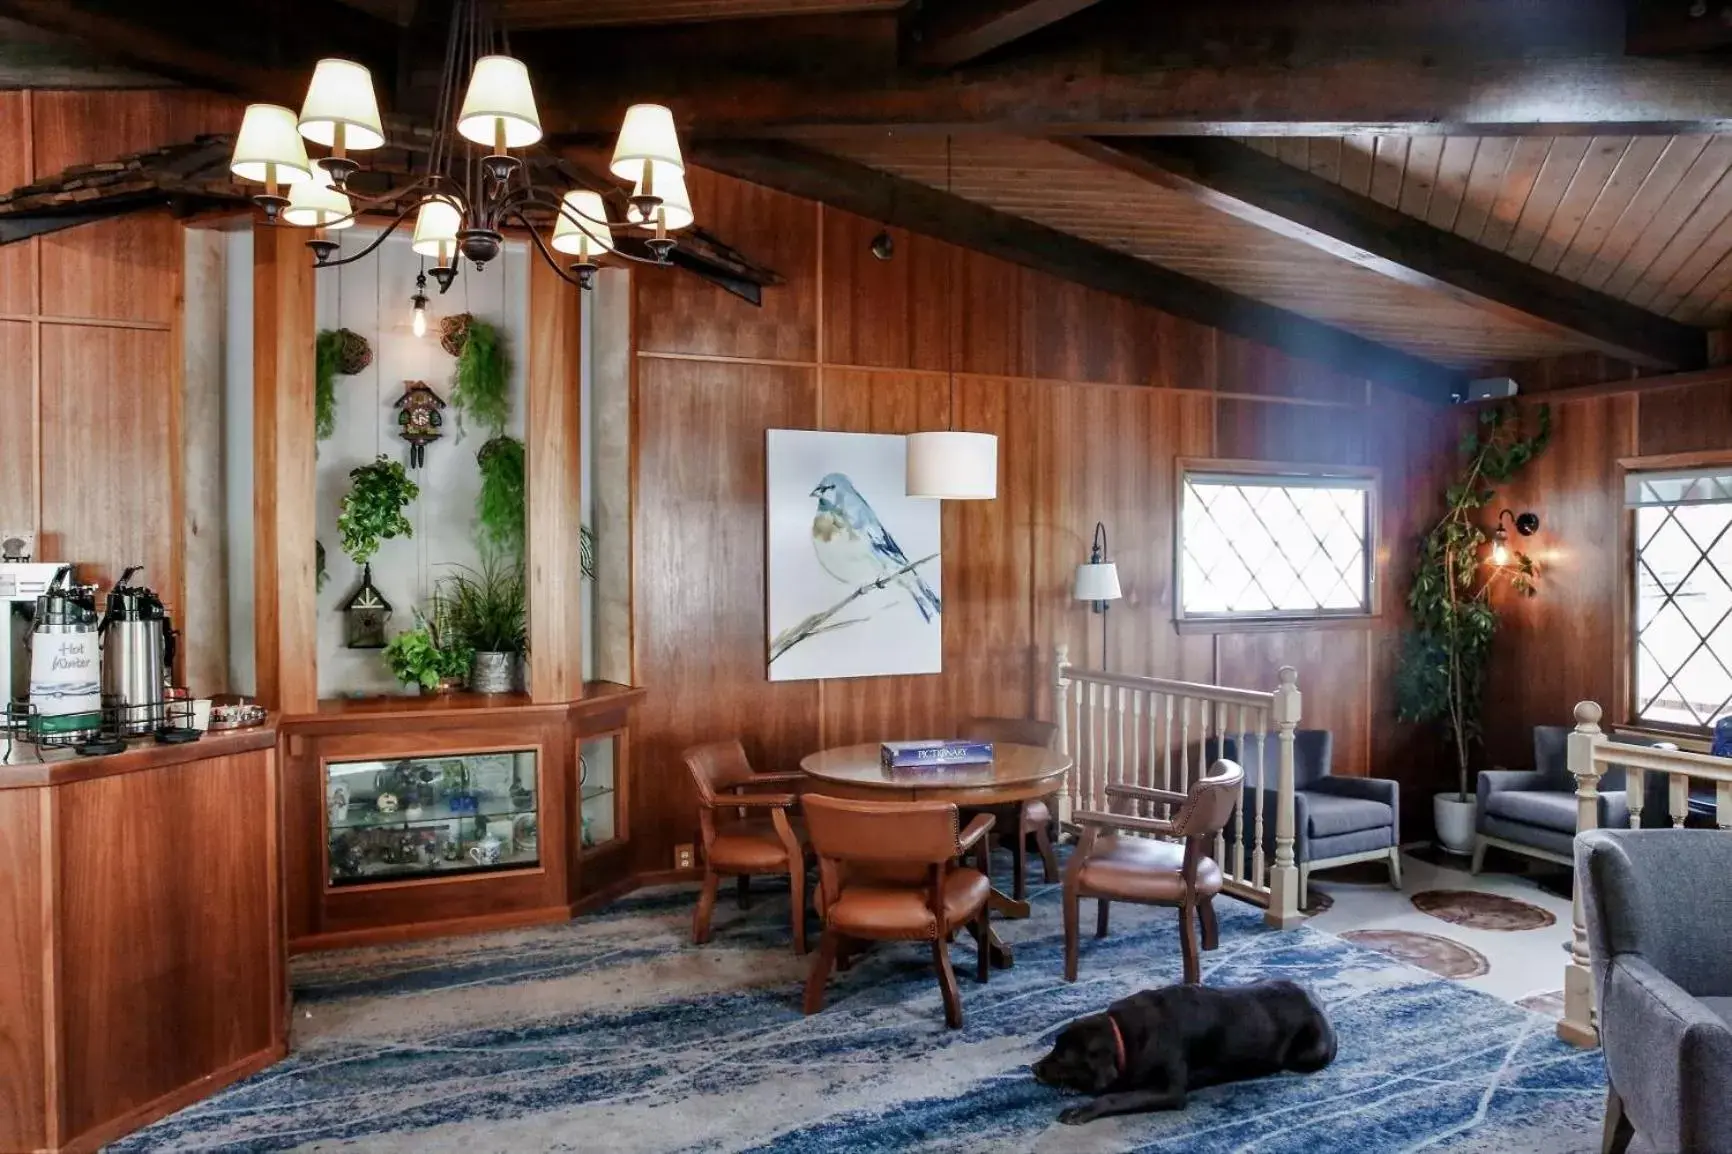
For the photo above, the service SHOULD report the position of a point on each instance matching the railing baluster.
(1120, 774)
(1184, 746)
(1258, 862)
(1678, 798)
(1220, 712)
(1149, 708)
(1239, 809)
(1635, 786)
(1167, 754)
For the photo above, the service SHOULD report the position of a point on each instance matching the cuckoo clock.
(420, 419)
(365, 614)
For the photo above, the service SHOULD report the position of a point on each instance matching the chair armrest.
(1665, 1051)
(1146, 793)
(976, 830)
(1121, 821)
(1505, 780)
(1363, 788)
(791, 777)
(757, 801)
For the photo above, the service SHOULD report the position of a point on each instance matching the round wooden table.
(1017, 773)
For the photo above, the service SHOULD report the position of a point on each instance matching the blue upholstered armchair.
(1533, 811)
(1336, 820)
(1656, 904)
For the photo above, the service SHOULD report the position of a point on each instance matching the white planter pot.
(1454, 819)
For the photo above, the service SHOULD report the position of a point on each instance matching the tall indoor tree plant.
(1441, 678)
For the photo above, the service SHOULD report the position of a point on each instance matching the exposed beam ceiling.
(956, 31)
(1079, 97)
(855, 188)
(1239, 181)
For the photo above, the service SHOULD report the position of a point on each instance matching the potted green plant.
(1441, 677)
(417, 657)
(488, 611)
(373, 508)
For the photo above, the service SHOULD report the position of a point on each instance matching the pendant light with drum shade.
(952, 465)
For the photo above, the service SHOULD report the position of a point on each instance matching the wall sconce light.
(1097, 582)
(1527, 524)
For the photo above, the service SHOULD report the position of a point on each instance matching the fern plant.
(1441, 677)
(327, 354)
(500, 506)
(482, 392)
(373, 508)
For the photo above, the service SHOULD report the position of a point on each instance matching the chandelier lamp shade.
(471, 188)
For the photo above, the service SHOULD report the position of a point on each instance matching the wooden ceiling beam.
(1079, 95)
(843, 184)
(957, 31)
(1243, 183)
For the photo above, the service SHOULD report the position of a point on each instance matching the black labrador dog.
(1148, 1050)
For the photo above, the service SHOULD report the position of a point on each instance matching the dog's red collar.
(1118, 1045)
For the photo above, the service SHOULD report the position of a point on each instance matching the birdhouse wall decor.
(365, 614)
(420, 419)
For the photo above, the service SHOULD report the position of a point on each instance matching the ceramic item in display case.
(485, 852)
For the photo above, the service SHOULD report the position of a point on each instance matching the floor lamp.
(1097, 582)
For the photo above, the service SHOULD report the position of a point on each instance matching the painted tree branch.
(821, 622)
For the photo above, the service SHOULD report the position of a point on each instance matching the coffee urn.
(137, 655)
(65, 662)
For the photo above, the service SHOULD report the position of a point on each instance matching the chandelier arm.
(369, 204)
(547, 253)
(384, 235)
(551, 259)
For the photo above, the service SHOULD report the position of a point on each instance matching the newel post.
(1284, 878)
(1060, 715)
(1577, 1026)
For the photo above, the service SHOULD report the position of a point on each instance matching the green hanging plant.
(336, 351)
(482, 391)
(1441, 677)
(586, 543)
(373, 508)
(500, 507)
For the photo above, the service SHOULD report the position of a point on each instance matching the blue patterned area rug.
(615, 1034)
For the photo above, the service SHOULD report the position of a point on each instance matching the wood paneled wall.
(90, 344)
(1093, 398)
(1571, 642)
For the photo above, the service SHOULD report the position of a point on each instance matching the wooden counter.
(141, 952)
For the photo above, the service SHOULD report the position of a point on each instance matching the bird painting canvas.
(854, 564)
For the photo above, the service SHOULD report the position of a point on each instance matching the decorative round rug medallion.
(1441, 956)
(1482, 911)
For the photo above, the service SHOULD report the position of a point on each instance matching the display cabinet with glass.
(418, 817)
(599, 788)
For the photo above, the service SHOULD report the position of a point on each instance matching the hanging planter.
(343, 351)
(373, 508)
(453, 332)
(499, 508)
(481, 391)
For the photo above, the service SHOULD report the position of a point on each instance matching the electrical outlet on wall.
(685, 856)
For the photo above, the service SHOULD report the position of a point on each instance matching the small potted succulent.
(488, 612)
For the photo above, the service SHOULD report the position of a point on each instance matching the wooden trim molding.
(553, 552)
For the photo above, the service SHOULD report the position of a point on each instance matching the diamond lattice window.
(1683, 611)
(1274, 546)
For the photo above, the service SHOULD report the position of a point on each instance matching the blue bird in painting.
(854, 547)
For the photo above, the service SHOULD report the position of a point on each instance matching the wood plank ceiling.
(1052, 185)
(1645, 219)
(590, 13)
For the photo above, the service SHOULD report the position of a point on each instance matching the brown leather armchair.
(739, 842)
(887, 872)
(1026, 819)
(1149, 871)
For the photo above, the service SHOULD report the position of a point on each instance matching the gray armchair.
(1659, 920)
(1533, 811)
(1336, 820)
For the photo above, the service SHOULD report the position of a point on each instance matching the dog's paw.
(1077, 1115)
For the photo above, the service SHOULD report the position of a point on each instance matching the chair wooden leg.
(1071, 902)
(743, 891)
(1211, 928)
(820, 973)
(1101, 908)
(947, 983)
(706, 906)
(1304, 886)
(1048, 859)
(1019, 861)
(983, 942)
(1188, 945)
(1479, 845)
(1618, 1131)
(1395, 868)
(797, 907)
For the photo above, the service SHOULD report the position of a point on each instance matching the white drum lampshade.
(436, 226)
(952, 466)
(499, 93)
(316, 204)
(647, 134)
(341, 94)
(1097, 581)
(268, 147)
(670, 185)
(587, 235)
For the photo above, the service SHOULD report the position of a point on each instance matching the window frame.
(1628, 695)
(1359, 476)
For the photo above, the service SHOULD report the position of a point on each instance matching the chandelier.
(465, 198)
